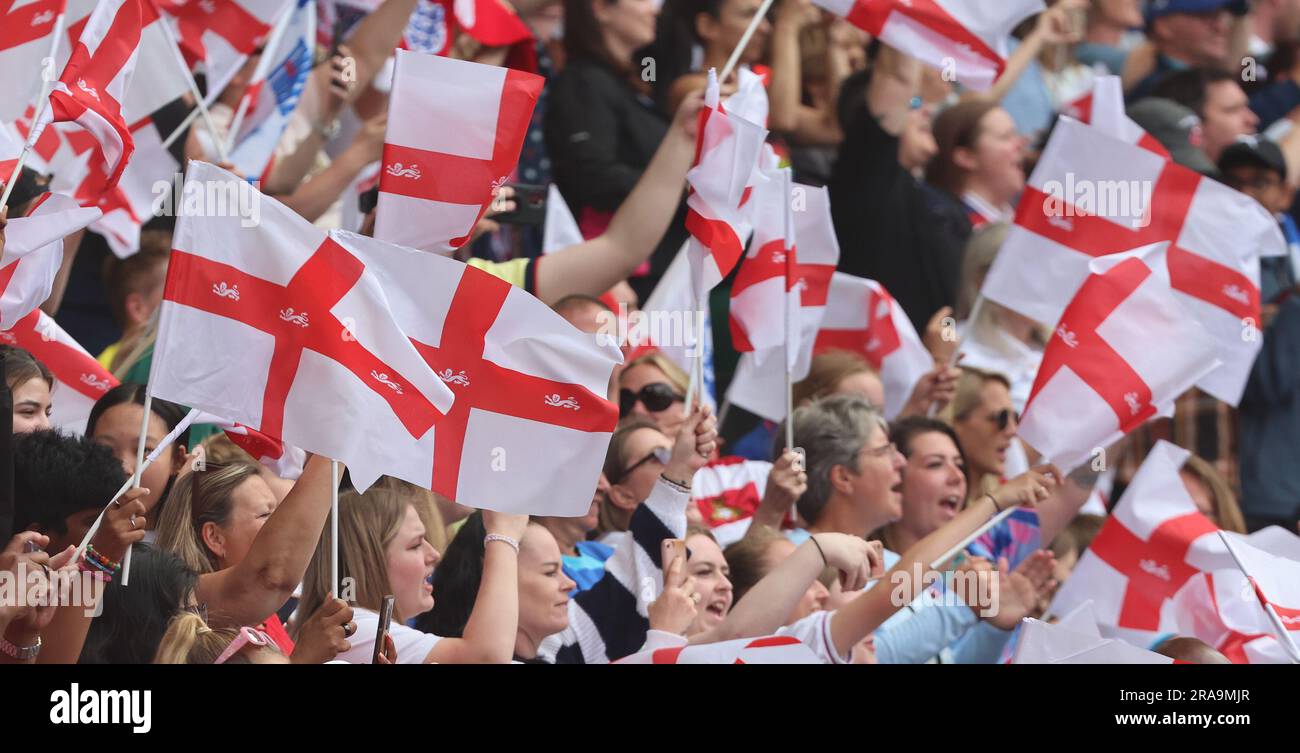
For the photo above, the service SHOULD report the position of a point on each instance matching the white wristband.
(498, 537)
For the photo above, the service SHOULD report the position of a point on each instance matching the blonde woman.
(384, 549)
(1212, 494)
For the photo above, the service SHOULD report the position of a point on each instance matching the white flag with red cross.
(777, 649)
(454, 133)
(1154, 541)
(784, 274)
(128, 205)
(1124, 349)
(300, 343)
(771, 278)
(1103, 109)
(1092, 195)
(1225, 609)
(33, 253)
(967, 39)
(91, 90)
(79, 380)
(727, 493)
(283, 460)
(220, 34)
(26, 30)
(531, 423)
(863, 318)
(1044, 643)
(719, 207)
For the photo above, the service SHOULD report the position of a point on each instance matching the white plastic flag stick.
(148, 461)
(167, 142)
(1283, 635)
(696, 364)
(334, 528)
(744, 40)
(139, 470)
(966, 541)
(789, 314)
(260, 73)
(47, 85)
(201, 106)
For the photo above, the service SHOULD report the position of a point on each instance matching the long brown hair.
(584, 38)
(1227, 513)
(828, 369)
(958, 127)
(202, 497)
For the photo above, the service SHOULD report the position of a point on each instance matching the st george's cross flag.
(300, 343)
(1123, 351)
(727, 492)
(26, 34)
(79, 380)
(1092, 195)
(1103, 109)
(759, 384)
(1154, 541)
(220, 34)
(274, 90)
(719, 208)
(33, 253)
(92, 86)
(863, 318)
(530, 425)
(777, 649)
(128, 205)
(1045, 643)
(437, 182)
(967, 39)
(283, 460)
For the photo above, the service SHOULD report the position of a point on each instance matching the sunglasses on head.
(655, 397)
(1004, 417)
(660, 454)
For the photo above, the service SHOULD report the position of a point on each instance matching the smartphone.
(385, 617)
(530, 206)
(676, 548)
(800, 459)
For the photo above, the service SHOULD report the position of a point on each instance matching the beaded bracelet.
(96, 572)
(99, 560)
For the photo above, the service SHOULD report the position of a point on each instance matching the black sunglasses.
(655, 397)
(1003, 417)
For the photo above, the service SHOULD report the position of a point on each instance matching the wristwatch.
(20, 653)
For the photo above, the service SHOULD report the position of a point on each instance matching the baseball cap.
(1256, 151)
(1177, 128)
(1158, 8)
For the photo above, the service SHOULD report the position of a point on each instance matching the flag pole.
(202, 107)
(261, 72)
(139, 471)
(744, 40)
(334, 528)
(148, 461)
(966, 541)
(167, 142)
(696, 365)
(1283, 635)
(789, 278)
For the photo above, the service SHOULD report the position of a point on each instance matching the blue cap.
(1158, 8)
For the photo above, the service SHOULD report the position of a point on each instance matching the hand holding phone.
(385, 618)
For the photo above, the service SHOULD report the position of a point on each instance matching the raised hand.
(677, 605)
(325, 633)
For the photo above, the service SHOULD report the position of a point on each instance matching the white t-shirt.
(814, 631)
(412, 645)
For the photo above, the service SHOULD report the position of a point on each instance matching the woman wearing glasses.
(638, 452)
(985, 420)
(654, 387)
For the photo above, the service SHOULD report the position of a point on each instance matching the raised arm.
(857, 619)
(1053, 27)
(251, 591)
(489, 636)
(788, 113)
(595, 266)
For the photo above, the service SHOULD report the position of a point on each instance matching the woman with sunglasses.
(638, 453)
(654, 387)
(985, 420)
